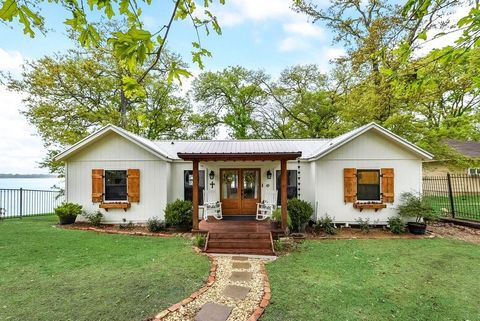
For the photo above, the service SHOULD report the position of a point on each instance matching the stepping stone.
(241, 265)
(236, 292)
(213, 312)
(239, 258)
(241, 276)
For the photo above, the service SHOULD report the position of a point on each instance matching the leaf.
(423, 35)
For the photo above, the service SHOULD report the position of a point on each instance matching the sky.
(256, 34)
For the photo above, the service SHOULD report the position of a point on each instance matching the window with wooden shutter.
(350, 185)
(388, 192)
(133, 185)
(97, 185)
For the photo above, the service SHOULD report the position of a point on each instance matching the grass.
(466, 206)
(48, 273)
(427, 279)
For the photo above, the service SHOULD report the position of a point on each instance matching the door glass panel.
(230, 184)
(250, 184)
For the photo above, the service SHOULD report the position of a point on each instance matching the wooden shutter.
(387, 185)
(97, 185)
(133, 176)
(350, 185)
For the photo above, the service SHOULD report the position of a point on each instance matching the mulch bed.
(377, 233)
(137, 230)
(450, 230)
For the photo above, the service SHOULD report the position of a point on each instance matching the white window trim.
(105, 186)
(379, 201)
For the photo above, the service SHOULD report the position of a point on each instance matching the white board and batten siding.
(114, 152)
(368, 151)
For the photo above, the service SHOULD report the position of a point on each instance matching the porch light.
(269, 174)
(211, 175)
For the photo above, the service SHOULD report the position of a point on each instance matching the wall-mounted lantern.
(269, 174)
(211, 175)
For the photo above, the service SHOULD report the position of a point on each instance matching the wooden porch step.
(242, 251)
(239, 244)
(240, 235)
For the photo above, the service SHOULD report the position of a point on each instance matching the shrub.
(154, 224)
(300, 212)
(285, 245)
(95, 218)
(125, 225)
(326, 225)
(68, 209)
(396, 225)
(364, 224)
(199, 240)
(179, 214)
(415, 205)
(277, 216)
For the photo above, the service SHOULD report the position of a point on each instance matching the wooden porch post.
(283, 192)
(195, 195)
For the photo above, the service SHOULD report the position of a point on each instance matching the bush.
(154, 224)
(396, 225)
(277, 216)
(364, 224)
(68, 209)
(326, 225)
(199, 240)
(300, 212)
(94, 218)
(285, 245)
(179, 214)
(415, 205)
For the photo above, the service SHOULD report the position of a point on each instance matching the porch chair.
(211, 207)
(265, 209)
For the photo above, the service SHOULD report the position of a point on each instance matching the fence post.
(21, 202)
(450, 194)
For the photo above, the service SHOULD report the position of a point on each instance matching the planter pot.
(275, 225)
(298, 237)
(417, 228)
(65, 220)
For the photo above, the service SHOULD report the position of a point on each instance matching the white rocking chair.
(211, 207)
(269, 204)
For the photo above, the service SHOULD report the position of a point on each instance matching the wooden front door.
(240, 190)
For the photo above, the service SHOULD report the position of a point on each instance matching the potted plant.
(276, 222)
(67, 212)
(414, 205)
(300, 212)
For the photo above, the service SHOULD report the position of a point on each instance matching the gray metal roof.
(257, 146)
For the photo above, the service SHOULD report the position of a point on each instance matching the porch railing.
(28, 202)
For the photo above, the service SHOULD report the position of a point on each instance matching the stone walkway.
(236, 295)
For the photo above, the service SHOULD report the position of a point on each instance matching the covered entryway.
(240, 190)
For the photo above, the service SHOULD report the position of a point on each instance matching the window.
(188, 185)
(291, 184)
(474, 172)
(115, 185)
(368, 185)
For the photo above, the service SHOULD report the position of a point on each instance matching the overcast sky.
(264, 34)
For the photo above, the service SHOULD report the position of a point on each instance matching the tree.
(231, 97)
(68, 96)
(135, 45)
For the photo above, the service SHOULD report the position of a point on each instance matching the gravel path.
(242, 309)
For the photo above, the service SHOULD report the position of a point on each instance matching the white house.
(358, 174)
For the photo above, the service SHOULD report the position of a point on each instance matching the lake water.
(31, 183)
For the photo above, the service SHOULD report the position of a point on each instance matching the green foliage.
(154, 224)
(95, 218)
(326, 225)
(277, 216)
(68, 209)
(416, 205)
(285, 245)
(126, 225)
(179, 214)
(300, 212)
(363, 224)
(396, 225)
(199, 240)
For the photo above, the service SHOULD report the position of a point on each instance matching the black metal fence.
(28, 202)
(457, 196)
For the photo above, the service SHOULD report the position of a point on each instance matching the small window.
(292, 189)
(188, 185)
(368, 185)
(474, 171)
(115, 185)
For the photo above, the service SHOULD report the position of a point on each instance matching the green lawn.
(427, 279)
(48, 273)
(466, 206)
